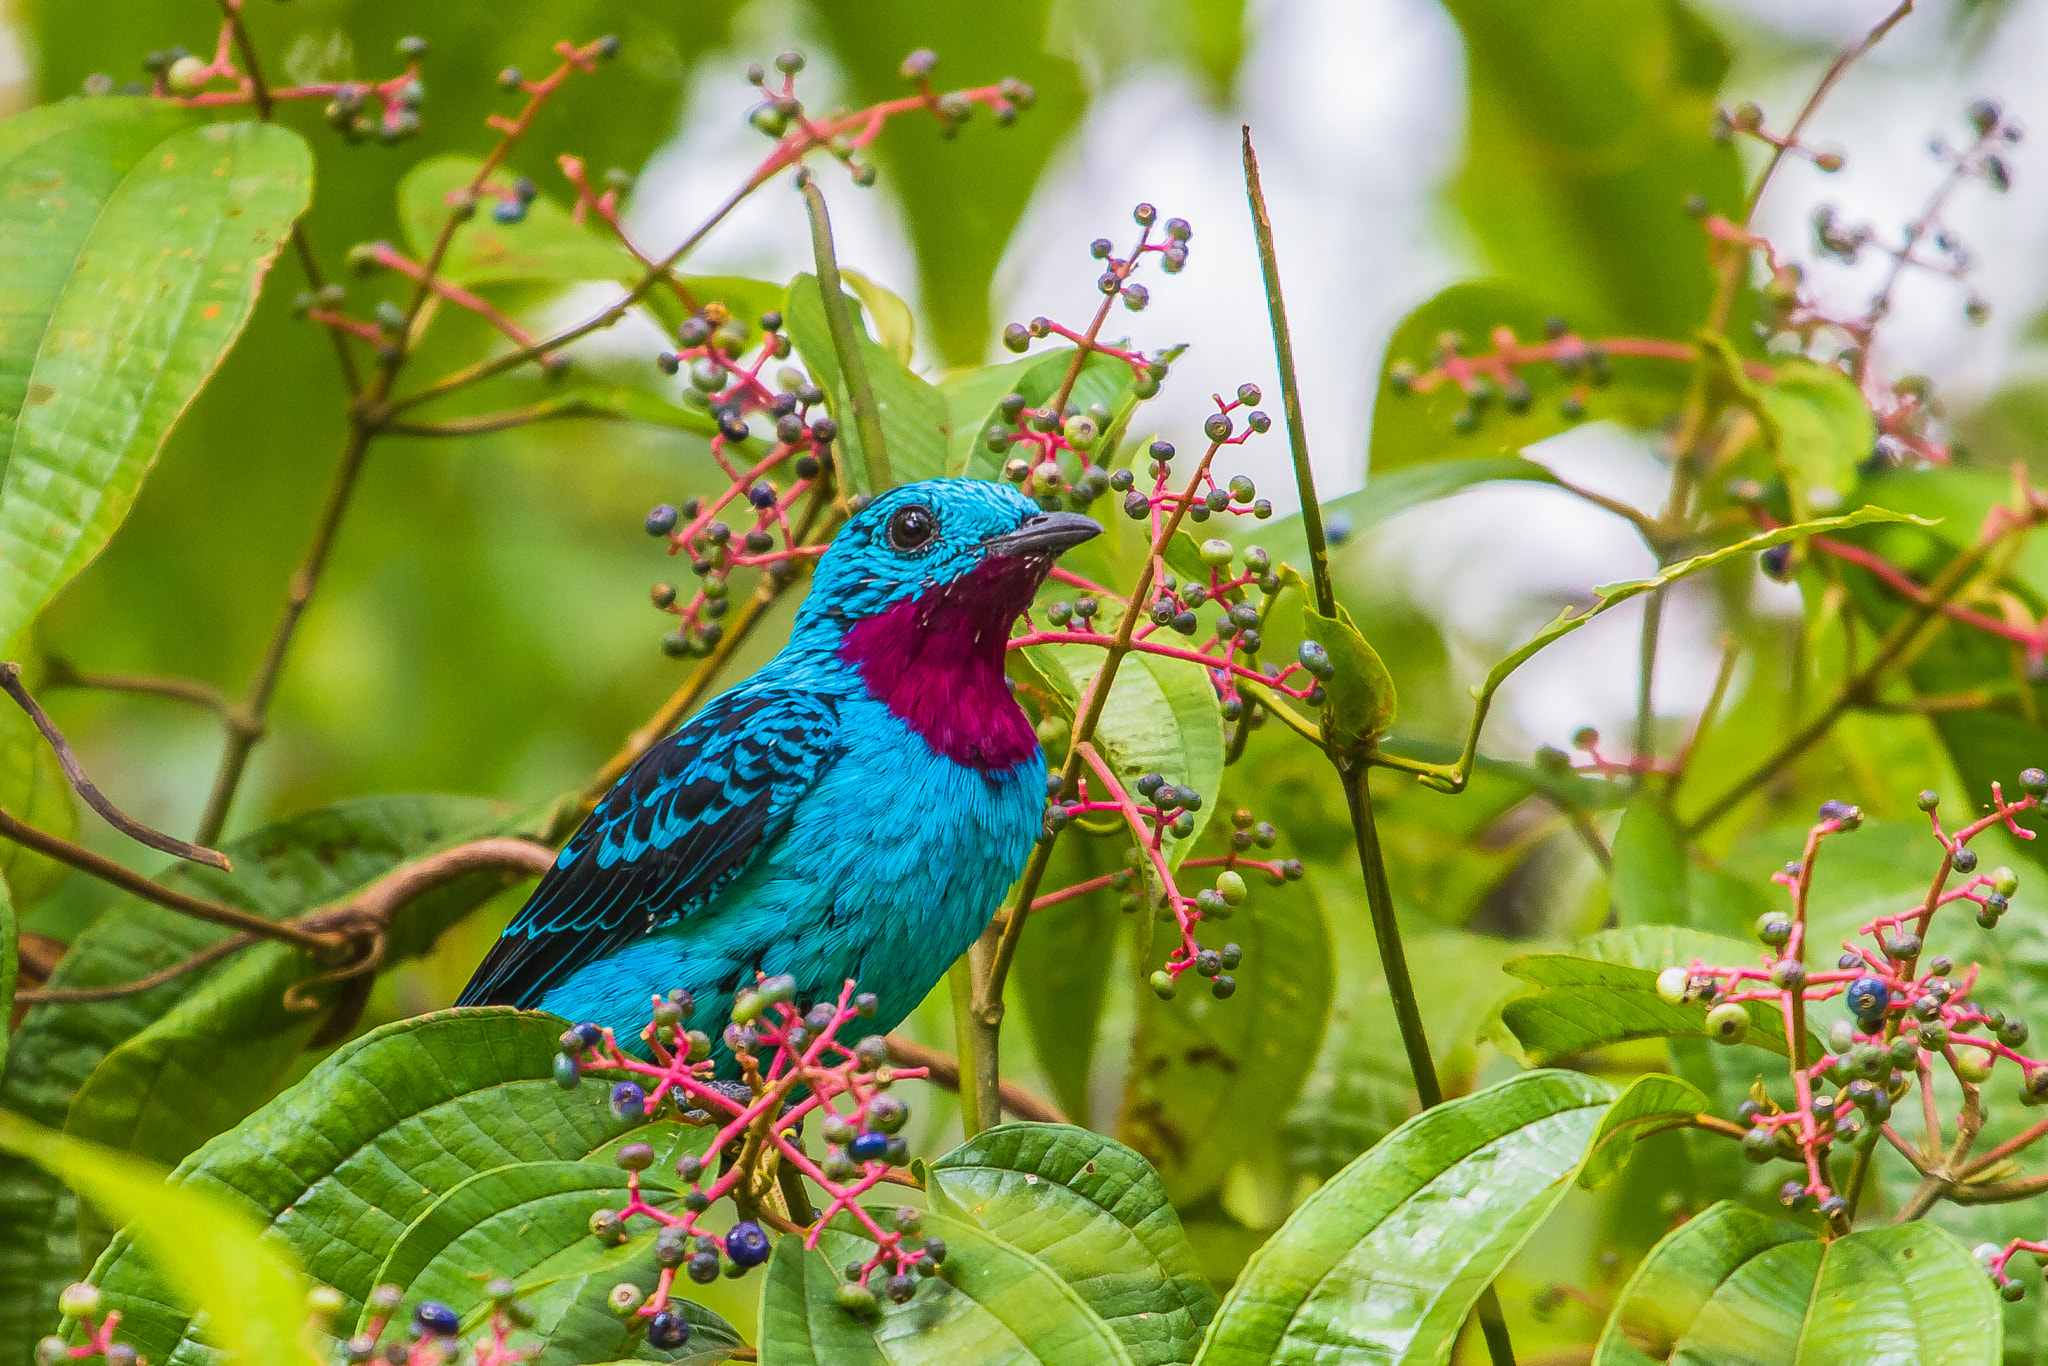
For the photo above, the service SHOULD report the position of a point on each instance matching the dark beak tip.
(1048, 533)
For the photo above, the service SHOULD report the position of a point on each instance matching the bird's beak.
(1048, 535)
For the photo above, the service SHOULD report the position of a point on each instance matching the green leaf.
(1096, 1214)
(995, 1303)
(1605, 992)
(962, 196)
(895, 328)
(530, 1223)
(1731, 1287)
(1207, 1074)
(1589, 125)
(1816, 428)
(340, 1166)
(136, 247)
(210, 1255)
(1650, 868)
(167, 1041)
(913, 413)
(1383, 1262)
(1417, 428)
(1614, 594)
(32, 788)
(1649, 1100)
(1160, 717)
(1361, 695)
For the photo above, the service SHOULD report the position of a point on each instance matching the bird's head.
(963, 543)
(918, 593)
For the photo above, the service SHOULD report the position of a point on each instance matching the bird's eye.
(912, 528)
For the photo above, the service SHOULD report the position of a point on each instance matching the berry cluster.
(714, 350)
(1160, 808)
(175, 73)
(781, 115)
(1904, 1017)
(782, 1048)
(1063, 451)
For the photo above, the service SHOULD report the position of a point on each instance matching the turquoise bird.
(856, 809)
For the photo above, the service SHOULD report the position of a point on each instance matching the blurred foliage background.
(483, 630)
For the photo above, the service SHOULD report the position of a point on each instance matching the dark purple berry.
(661, 521)
(629, 1101)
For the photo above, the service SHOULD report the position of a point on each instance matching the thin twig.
(82, 995)
(10, 679)
(60, 674)
(1836, 70)
(1355, 769)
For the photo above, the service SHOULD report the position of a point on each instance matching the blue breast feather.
(792, 826)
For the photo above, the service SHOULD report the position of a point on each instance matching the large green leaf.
(530, 1223)
(211, 1256)
(178, 1062)
(1384, 1261)
(992, 1302)
(1732, 1288)
(136, 247)
(1096, 1214)
(1207, 1075)
(962, 196)
(340, 1166)
(1416, 428)
(1589, 126)
(32, 788)
(913, 413)
(1605, 991)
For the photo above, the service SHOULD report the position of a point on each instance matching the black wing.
(686, 820)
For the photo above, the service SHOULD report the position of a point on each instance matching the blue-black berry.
(629, 1101)
(435, 1319)
(667, 1329)
(747, 1244)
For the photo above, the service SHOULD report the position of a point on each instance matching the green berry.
(1728, 1023)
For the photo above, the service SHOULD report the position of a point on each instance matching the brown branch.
(1838, 68)
(365, 915)
(60, 674)
(106, 870)
(943, 1070)
(10, 679)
